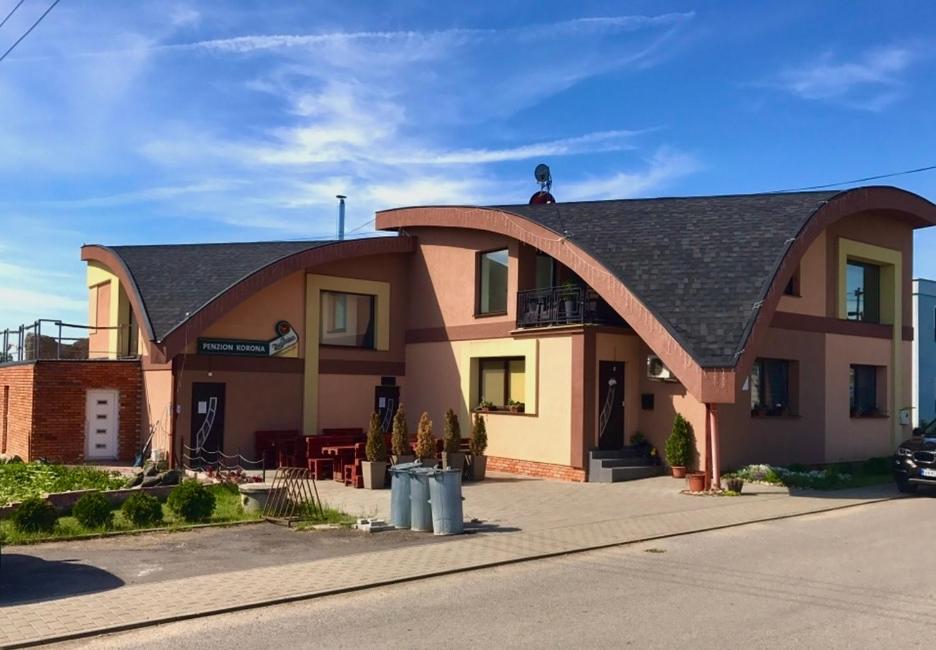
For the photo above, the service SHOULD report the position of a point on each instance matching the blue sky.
(144, 122)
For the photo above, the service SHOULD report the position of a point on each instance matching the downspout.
(172, 417)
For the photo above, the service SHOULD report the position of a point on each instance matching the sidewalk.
(675, 514)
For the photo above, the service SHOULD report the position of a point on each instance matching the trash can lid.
(425, 471)
(405, 467)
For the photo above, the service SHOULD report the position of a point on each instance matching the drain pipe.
(714, 458)
(341, 208)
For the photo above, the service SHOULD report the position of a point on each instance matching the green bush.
(376, 448)
(425, 443)
(35, 515)
(399, 439)
(478, 442)
(451, 432)
(191, 501)
(93, 511)
(142, 510)
(680, 446)
(875, 466)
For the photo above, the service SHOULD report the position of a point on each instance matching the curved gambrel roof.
(696, 277)
(194, 284)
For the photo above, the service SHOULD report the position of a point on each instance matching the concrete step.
(626, 452)
(634, 461)
(620, 474)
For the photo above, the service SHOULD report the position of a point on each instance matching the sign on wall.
(286, 339)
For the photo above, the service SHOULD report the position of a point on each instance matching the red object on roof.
(541, 198)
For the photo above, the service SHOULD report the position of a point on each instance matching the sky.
(171, 122)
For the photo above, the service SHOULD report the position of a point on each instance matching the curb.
(309, 595)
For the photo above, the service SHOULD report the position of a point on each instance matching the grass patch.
(835, 476)
(328, 516)
(227, 509)
(19, 481)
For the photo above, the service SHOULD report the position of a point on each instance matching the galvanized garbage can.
(400, 494)
(445, 495)
(420, 510)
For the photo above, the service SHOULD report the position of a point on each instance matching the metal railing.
(565, 305)
(201, 459)
(48, 338)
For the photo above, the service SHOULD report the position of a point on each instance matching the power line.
(12, 11)
(29, 31)
(861, 180)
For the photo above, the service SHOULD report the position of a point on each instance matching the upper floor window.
(347, 319)
(492, 282)
(545, 271)
(772, 383)
(864, 392)
(863, 292)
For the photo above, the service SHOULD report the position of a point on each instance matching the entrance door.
(610, 405)
(207, 423)
(386, 400)
(101, 424)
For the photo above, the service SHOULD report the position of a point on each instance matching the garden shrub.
(875, 466)
(425, 443)
(35, 515)
(376, 448)
(93, 511)
(451, 432)
(142, 510)
(191, 501)
(680, 446)
(478, 441)
(399, 439)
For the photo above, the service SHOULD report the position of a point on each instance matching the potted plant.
(375, 467)
(486, 406)
(569, 293)
(734, 483)
(514, 406)
(478, 444)
(451, 438)
(640, 444)
(679, 446)
(399, 439)
(696, 481)
(425, 443)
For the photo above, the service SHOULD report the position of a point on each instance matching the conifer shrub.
(425, 443)
(191, 501)
(399, 439)
(142, 510)
(478, 441)
(35, 515)
(376, 449)
(680, 446)
(451, 432)
(93, 510)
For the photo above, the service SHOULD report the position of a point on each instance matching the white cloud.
(663, 168)
(873, 81)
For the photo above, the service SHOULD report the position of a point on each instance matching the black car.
(915, 459)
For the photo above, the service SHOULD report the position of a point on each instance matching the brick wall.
(16, 400)
(531, 468)
(47, 412)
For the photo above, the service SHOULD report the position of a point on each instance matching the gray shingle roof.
(698, 263)
(176, 279)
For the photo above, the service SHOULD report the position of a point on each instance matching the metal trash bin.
(400, 494)
(445, 495)
(420, 510)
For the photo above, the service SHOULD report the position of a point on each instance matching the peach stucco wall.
(434, 382)
(814, 283)
(347, 401)
(157, 401)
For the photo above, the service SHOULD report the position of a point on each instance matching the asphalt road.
(863, 577)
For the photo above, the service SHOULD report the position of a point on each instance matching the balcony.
(565, 305)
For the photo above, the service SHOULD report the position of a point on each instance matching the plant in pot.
(375, 467)
(569, 293)
(514, 406)
(679, 446)
(451, 437)
(734, 483)
(478, 444)
(640, 444)
(425, 443)
(486, 406)
(399, 439)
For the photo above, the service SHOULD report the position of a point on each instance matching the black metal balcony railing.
(565, 305)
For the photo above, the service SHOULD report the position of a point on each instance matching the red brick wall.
(16, 385)
(48, 420)
(531, 468)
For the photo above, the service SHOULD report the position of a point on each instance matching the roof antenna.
(544, 177)
(341, 198)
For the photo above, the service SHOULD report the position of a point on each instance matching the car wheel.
(906, 487)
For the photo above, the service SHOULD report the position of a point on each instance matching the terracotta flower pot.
(679, 471)
(696, 481)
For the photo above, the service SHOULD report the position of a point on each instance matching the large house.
(778, 325)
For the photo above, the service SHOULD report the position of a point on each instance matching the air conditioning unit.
(657, 371)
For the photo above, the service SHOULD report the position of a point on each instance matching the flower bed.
(829, 477)
(19, 481)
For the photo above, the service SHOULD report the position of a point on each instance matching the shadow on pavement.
(25, 578)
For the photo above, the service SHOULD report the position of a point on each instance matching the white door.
(101, 429)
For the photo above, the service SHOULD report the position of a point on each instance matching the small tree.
(399, 439)
(451, 432)
(425, 443)
(376, 448)
(680, 446)
(478, 441)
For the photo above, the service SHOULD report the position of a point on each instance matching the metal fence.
(48, 338)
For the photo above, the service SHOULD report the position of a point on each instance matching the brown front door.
(610, 405)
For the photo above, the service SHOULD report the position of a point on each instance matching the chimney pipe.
(341, 198)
